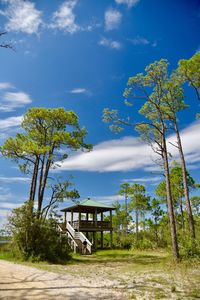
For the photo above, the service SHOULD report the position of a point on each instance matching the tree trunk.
(156, 230)
(181, 211)
(43, 180)
(40, 187)
(126, 208)
(185, 185)
(136, 223)
(34, 182)
(169, 200)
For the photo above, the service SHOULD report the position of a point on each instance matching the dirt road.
(22, 282)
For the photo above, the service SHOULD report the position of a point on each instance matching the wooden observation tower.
(83, 220)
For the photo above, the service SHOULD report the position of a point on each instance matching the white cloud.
(14, 179)
(128, 153)
(112, 19)
(64, 17)
(3, 217)
(110, 44)
(13, 100)
(10, 122)
(112, 155)
(5, 85)
(143, 179)
(22, 16)
(139, 41)
(80, 91)
(9, 205)
(129, 3)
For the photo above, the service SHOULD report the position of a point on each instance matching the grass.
(142, 274)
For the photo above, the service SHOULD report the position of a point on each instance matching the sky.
(79, 54)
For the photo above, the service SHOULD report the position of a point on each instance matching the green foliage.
(120, 218)
(196, 204)
(46, 132)
(188, 71)
(36, 239)
(143, 244)
(176, 181)
(189, 248)
(139, 201)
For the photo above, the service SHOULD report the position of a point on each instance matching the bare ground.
(22, 282)
(120, 280)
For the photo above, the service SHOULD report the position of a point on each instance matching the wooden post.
(79, 220)
(102, 231)
(72, 218)
(101, 239)
(65, 219)
(95, 218)
(111, 235)
(95, 240)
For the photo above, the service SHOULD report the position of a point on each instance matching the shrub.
(143, 244)
(36, 239)
(189, 248)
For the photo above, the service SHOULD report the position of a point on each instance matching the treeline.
(143, 222)
(162, 98)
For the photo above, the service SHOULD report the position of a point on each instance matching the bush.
(143, 244)
(36, 239)
(189, 248)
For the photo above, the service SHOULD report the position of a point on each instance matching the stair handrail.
(73, 244)
(89, 244)
(70, 229)
(81, 235)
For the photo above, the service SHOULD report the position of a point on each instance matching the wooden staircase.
(75, 238)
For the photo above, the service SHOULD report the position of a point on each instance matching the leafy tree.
(139, 203)
(125, 191)
(188, 71)
(37, 150)
(59, 192)
(177, 187)
(157, 214)
(120, 218)
(36, 239)
(173, 102)
(196, 204)
(148, 88)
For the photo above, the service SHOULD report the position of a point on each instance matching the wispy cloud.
(64, 17)
(6, 85)
(143, 179)
(129, 3)
(9, 205)
(108, 199)
(13, 100)
(139, 41)
(80, 91)
(112, 19)
(129, 153)
(10, 122)
(14, 179)
(142, 41)
(22, 16)
(110, 43)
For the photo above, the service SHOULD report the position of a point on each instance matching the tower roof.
(88, 206)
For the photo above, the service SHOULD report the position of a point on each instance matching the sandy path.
(22, 282)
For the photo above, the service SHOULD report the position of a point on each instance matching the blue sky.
(79, 54)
